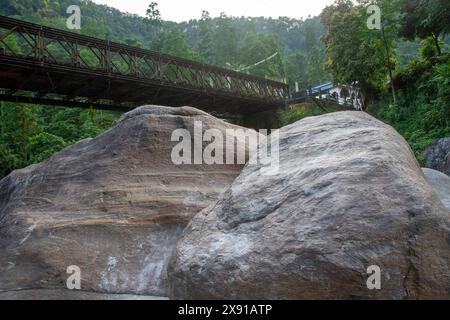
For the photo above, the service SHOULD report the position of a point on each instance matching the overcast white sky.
(183, 10)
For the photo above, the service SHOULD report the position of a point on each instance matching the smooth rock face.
(437, 156)
(349, 195)
(114, 206)
(440, 183)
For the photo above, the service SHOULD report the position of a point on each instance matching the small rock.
(437, 156)
(440, 183)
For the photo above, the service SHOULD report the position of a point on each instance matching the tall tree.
(356, 55)
(205, 41)
(387, 34)
(261, 55)
(153, 16)
(296, 65)
(226, 39)
(316, 72)
(310, 36)
(174, 43)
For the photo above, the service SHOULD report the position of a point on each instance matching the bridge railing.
(50, 46)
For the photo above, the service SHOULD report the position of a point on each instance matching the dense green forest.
(403, 69)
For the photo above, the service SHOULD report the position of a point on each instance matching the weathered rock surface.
(437, 156)
(114, 206)
(440, 183)
(349, 195)
(64, 294)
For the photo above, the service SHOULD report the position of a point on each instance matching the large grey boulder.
(437, 156)
(440, 183)
(349, 195)
(114, 206)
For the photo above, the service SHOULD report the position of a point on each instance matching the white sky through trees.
(184, 10)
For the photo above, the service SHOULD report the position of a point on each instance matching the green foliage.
(8, 160)
(297, 64)
(258, 47)
(44, 145)
(416, 69)
(31, 134)
(429, 48)
(423, 18)
(422, 112)
(226, 41)
(441, 79)
(407, 51)
(308, 70)
(316, 73)
(175, 44)
(205, 38)
(291, 115)
(356, 55)
(298, 112)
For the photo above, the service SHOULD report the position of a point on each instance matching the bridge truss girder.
(51, 66)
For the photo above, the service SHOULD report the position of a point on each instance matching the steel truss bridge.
(43, 65)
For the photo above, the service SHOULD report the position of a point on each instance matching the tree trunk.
(388, 56)
(436, 42)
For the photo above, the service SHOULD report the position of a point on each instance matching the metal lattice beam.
(46, 56)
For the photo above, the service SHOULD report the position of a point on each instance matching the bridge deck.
(51, 66)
